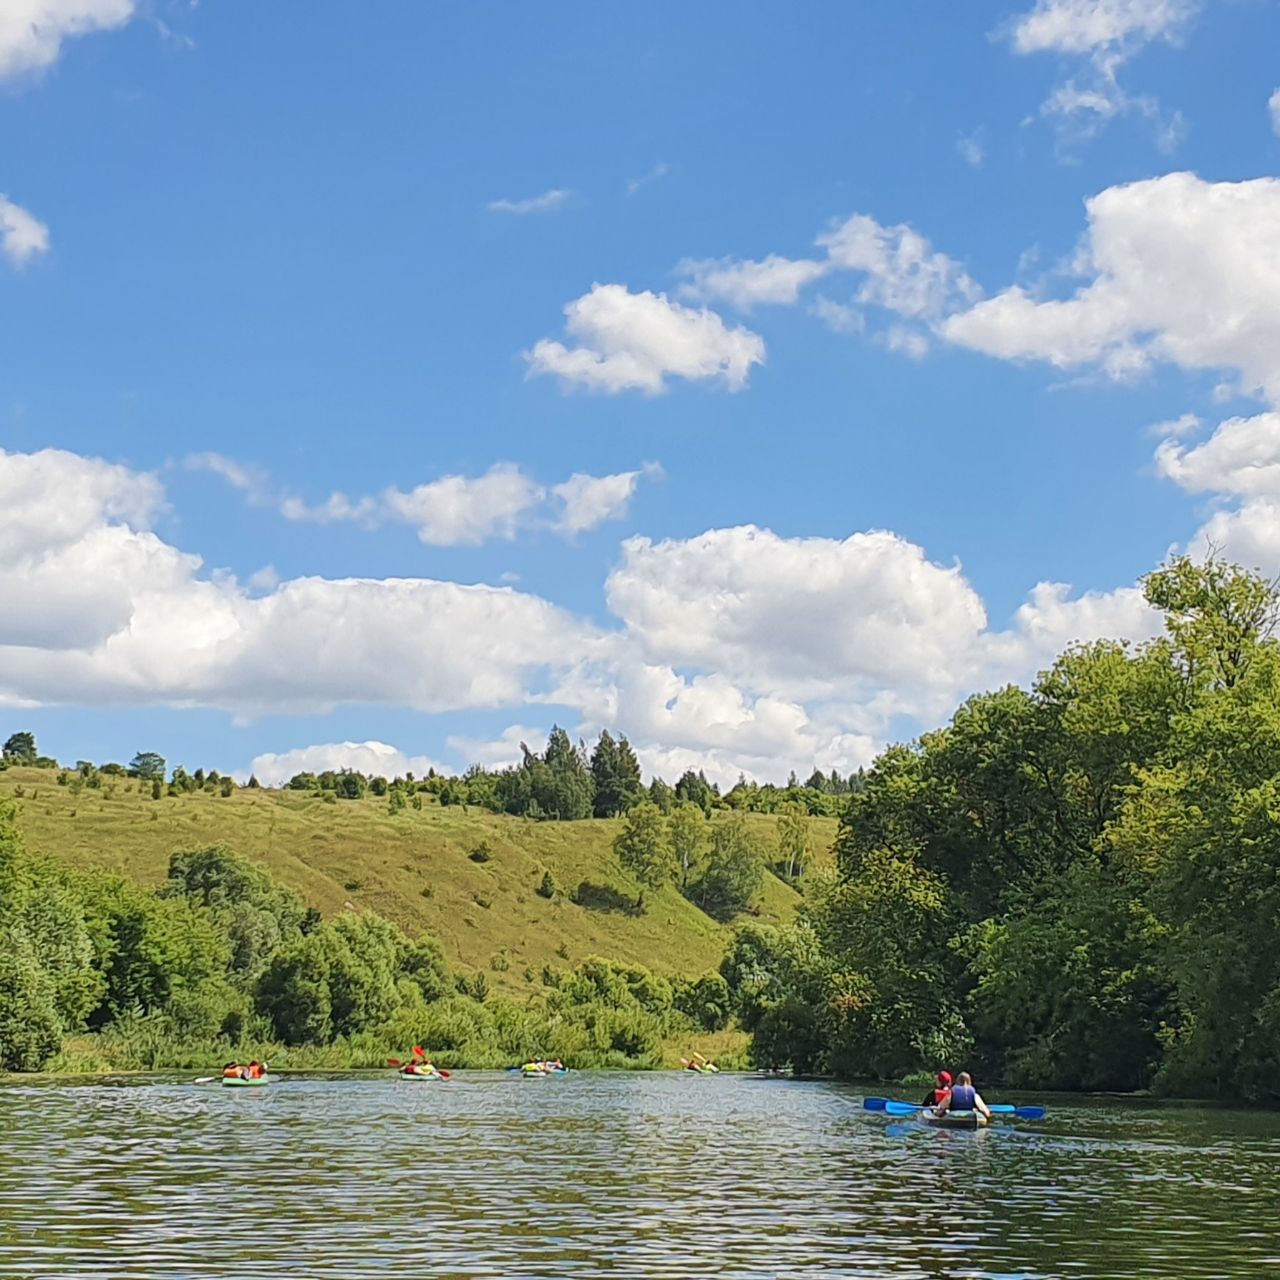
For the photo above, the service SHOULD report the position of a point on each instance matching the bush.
(547, 889)
(481, 853)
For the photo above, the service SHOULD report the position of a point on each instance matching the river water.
(615, 1174)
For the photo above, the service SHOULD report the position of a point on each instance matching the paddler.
(255, 1070)
(941, 1088)
(233, 1071)
(964, 1097)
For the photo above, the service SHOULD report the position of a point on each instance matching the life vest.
(963, 1097)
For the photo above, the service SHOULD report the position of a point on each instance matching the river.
(630, 1175)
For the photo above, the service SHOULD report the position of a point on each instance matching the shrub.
(481, 853)
(547, 889)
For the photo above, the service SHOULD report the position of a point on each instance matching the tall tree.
(643, 848)
(20, 748)
(147, 765)
(688, 826)
(732, 872)
(794, 843)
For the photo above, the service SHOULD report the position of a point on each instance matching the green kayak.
(418, 1075)
(954, 1119)
(239, 1082)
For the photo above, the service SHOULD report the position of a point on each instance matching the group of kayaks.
(420, 1067)
(948, 1119)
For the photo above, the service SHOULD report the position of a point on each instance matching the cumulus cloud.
(32, 31)
(739, 648)
(903, 272)
(636, 341)
(588, 501)
(544, 203)
(453, 510)
(100, 609)
(457, 510)
(839, 317)
(22, 235)
(372, 758)
(745, 284)
(1105, 34)
(1273, 106)
(1178, 270)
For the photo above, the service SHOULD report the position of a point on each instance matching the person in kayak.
(255, 1070)
(964, 1097)
(940, 1091)
(233, 1071)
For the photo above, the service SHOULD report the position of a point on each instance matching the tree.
(20, 748)
(794, 845)
(148, 766)
(695, 789)
(688, 828)
(732, 872)
(616, 773)
(643, 849)
(662, 794)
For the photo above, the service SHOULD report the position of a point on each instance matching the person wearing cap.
(938, 1094)
(964, 1097)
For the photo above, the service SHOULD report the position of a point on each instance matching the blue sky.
(853, 324)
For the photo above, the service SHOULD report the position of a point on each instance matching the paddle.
(910, 1108)
(395, 1062)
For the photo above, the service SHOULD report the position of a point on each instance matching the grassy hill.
(413, 867)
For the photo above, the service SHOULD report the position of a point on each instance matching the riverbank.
(113, 1054)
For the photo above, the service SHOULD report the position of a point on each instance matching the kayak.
(239, 1082)
(419, 1075)
(953, 1119)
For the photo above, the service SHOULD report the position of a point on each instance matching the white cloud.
(904, 274)
(839, 317)
(796, 616)
(1106, 34)
(501, 752)
(22, 236)
(544, 203)
(636, 341)
(1241, 458)
(1273, 106)
(100, 610)
(747, 284)
(735, 649)
(1090, 26)
(908, 342)
(454, 510)
(32, 31)
(588, 501)
(371, 758)
(1180, 271)
(971, 151)
(460, 510)
(658, 172)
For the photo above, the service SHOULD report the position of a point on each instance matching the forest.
(1072, 886)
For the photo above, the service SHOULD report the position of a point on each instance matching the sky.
(757, 381)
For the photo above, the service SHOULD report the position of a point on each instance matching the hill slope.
(412, 867)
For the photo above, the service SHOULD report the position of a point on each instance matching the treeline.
(563, 783)
(1071, 886)
(567, 783)
(221, 962)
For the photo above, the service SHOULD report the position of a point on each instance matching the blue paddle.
(909, 1109)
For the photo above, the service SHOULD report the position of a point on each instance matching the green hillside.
(412, 867)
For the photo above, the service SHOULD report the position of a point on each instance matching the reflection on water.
(627, 1175)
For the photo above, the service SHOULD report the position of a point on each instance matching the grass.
(413, 867)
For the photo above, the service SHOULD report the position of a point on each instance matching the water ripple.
(633, 1175)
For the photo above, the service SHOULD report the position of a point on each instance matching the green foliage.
(688, 832)
(731, 875)
(1073, 885)
(20, 748)
(148, 766)
(794, 845)
(547, 886)
(643, 848)
(615, 772)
